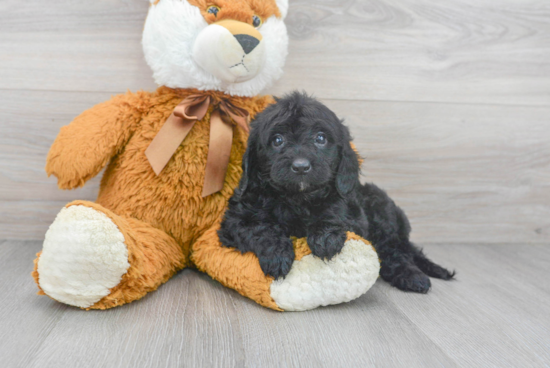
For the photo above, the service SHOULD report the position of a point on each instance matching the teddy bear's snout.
(232, 51)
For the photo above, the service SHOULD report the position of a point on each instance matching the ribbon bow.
(179, 124)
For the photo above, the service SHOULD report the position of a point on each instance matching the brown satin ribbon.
(179, 124)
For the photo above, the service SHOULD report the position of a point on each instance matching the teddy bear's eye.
(213, 10)
(256, 21)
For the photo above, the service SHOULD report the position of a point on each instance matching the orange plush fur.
(241, 10)
(159, 216)
(166, 223)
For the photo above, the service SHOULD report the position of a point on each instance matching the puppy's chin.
(296, 186)
(301, 186)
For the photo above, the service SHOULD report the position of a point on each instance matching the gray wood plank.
(73, 45)
(463, 173)
(474, 51)
(30, 122)
(21, 217)
(184, 324)
(490, 316)
(195, 322)
(368, 332)
(538, 258)
(493, 315)
(451, 51)
(26, 320)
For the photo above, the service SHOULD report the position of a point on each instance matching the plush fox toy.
(173, 159)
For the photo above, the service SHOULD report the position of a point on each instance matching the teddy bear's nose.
(247, 42)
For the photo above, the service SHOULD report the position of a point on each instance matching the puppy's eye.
(256, 21)
(278, 140)
(321, 139)
(213, 10)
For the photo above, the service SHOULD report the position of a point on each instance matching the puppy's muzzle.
(301, 166)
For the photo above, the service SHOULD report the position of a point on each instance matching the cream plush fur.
(313, 282)
(223, 56)
(144, 228)
(170, 46)
(83, 257)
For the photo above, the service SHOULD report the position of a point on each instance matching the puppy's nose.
(247, 42)
(301, 166)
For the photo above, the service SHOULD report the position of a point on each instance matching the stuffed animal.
(173, 159)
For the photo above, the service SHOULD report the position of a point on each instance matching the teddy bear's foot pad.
(83, 257)
(313, 282)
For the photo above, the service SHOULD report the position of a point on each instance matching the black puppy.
(301, 178)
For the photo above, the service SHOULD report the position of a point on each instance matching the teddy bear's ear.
(283, 7)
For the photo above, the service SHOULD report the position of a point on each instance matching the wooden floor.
(450, 103)
(495, 314)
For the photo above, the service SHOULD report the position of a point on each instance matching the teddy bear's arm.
(86, 145)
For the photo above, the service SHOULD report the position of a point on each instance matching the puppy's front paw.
(326, 243)
(276, 258)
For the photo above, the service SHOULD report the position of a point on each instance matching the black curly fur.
(273, 202)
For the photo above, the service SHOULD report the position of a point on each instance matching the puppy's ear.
(250, 164)
(348, 170)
